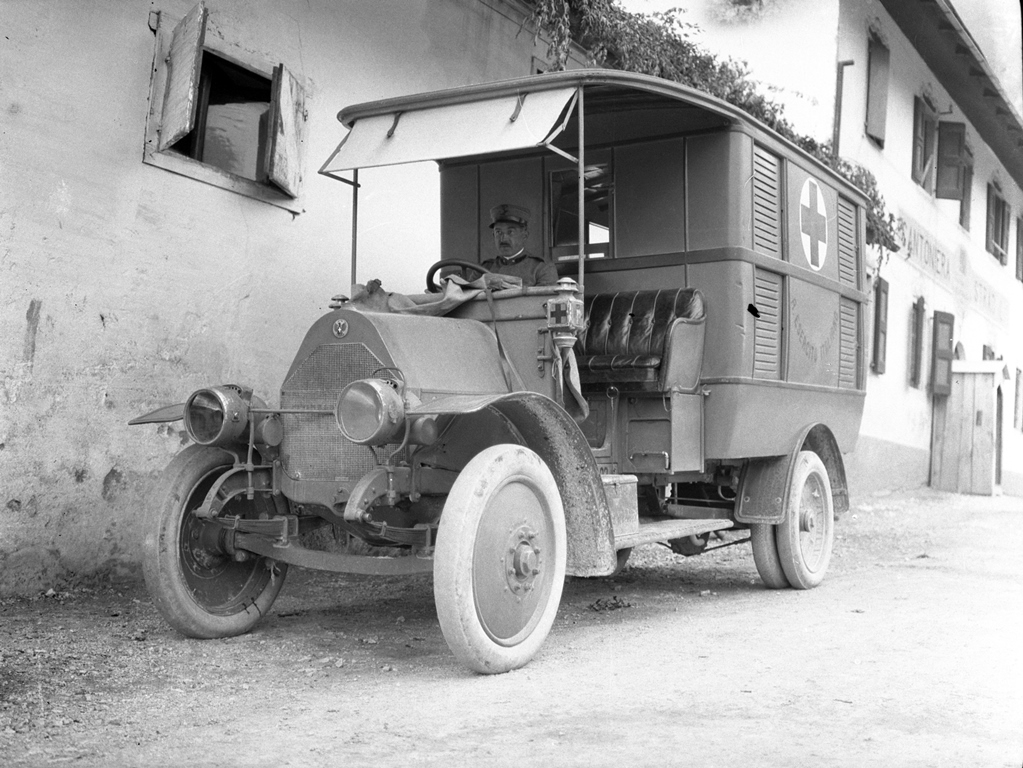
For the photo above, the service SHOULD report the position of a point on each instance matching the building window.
(1019, 248)
(222, 119)
(564, 214)
(877, 88)
(916, 342)
(997, 238)
(925, 128)
(880, 325)
(942, 353)
(953, 159)
(987, 353)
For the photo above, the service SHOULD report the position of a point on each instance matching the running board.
(659, 529)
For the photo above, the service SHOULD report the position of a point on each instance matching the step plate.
(651, 530)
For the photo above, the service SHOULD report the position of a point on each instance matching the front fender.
(476, 422)
(161, 415)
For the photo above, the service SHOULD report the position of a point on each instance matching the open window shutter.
(918, 139)
(989, 236)
(286, 131)
(1003, 240)
(1019, 248)
(183, 63)
(951, 161)
(877, 89)
(880, 325)
(943, 352)
(917, 342)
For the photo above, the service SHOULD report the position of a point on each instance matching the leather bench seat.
(627, 334)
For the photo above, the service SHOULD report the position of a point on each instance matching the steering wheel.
(432, 287)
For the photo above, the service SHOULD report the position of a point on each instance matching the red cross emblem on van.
(813, 224)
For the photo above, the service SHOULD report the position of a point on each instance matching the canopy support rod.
(355, 219)
(581, 194)
(563, 153)
(354, 184)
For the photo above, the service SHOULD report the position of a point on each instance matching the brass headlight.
(370, 412)
(216, 416)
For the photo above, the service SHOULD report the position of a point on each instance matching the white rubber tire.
(806, 536)
(499, 563)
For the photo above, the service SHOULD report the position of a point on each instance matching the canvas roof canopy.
(518, 115)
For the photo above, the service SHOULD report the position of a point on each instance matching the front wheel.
(198, 587)
(499, 563)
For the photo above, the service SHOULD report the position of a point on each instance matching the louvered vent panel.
(766, 203)
(767, 333)
(847, 230)
(848, 346)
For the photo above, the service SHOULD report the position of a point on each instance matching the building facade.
(905, 91)
(143, 255)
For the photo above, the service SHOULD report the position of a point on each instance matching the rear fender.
(537, 422)
(766, 481)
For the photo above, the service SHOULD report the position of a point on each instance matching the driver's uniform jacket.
(532, 269)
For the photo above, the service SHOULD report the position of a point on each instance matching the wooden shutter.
(1018, 413)
(1019, 248)
(916, 343)
(877, 89)
(989, 234)
(951, 176)
(880, 325)
(943, 351)
(286, 132)
(184, 61)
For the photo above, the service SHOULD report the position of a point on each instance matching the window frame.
(996, 238)
(175, 76)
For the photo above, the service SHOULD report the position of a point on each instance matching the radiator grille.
(848, 344)
(766, 203)
(847, 230)
(767, 328)
(313, 448)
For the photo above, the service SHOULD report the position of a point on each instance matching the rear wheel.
(806, 536)
(765, 556)
(198, 587)
(499, 564)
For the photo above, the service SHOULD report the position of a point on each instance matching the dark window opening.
(231, 119)
(597, 197)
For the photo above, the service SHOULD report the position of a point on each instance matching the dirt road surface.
(909, 654)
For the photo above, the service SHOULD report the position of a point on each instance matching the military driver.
(511, 228)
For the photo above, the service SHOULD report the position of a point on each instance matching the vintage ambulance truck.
(711, 305)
